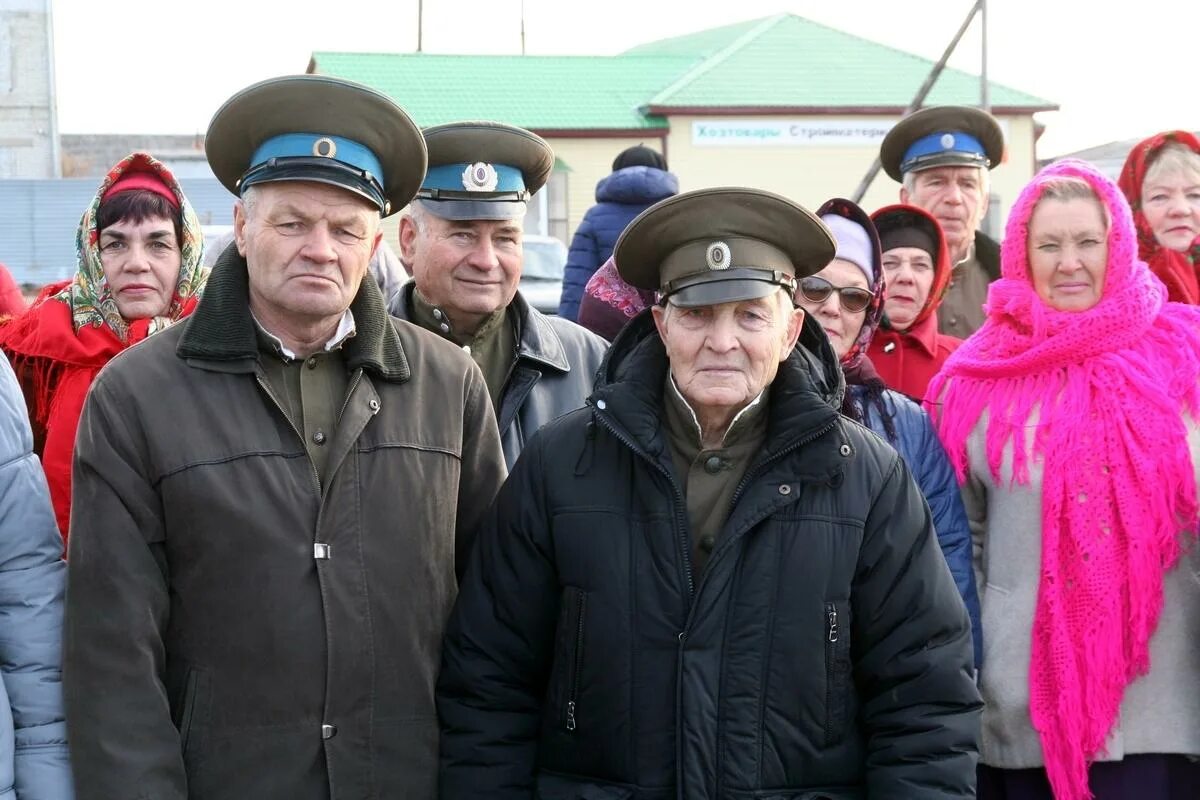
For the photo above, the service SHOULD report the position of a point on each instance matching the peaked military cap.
(940, 136)
(483, 170)
(322, 129)
(722, 245)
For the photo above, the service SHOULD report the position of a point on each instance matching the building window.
(991, 224)
(546, 214)
(557, 207)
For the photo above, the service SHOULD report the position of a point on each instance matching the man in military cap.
(942, 155)
(461, 239)
(708, 584)
(272, 500)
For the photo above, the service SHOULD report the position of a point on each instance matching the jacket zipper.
(577, 663)
(725, 542)
(685, 550)
(834, 688)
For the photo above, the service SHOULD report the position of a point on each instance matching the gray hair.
(250, 200)
(418, 214)
(1172, 159)
(1064, 188)
(985, 180)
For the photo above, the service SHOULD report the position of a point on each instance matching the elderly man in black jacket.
(708, 584)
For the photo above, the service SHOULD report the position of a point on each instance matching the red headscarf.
(1176, 270)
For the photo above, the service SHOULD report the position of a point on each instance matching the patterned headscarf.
(88, 294)
(857, 368)
(74, 328)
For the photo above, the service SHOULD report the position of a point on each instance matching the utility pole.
(420, 22)
(984, 98)
(922, 93)
(522, 27)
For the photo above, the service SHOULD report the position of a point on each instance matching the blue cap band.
(944, 143)
(450, 178)
(319, 145)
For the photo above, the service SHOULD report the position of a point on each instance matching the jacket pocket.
(187, 710)
(837, 671)
(571, 632)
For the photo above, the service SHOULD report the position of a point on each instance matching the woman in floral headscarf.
(139, 247)
(1073, 418)
(1161, 181)
(846, 299)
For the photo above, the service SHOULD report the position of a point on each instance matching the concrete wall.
(28, 124)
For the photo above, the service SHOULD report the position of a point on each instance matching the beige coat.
(1161, 710)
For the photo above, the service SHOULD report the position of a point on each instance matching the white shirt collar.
(345, 330)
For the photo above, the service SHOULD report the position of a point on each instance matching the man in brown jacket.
(942, 156)
(273, 500)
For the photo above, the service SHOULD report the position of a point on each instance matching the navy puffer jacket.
(620, 197)
(921, 449)
(823, 651)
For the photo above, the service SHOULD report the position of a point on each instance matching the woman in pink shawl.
(1071, 416)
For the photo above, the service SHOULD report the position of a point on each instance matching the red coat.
(907, 361)
(12, 302)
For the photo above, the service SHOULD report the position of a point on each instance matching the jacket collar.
(222, 329)
(537, 340)
(923, 333)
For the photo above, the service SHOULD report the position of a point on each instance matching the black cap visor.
(318, 170)
(728, 286)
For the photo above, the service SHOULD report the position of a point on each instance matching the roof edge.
(850, 111)
(603, 133)
(715, 60)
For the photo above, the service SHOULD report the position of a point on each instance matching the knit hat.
(639, 156)
(138, 180)
(853, 244)
(907, 236)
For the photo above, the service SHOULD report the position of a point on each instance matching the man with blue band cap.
(942, 155)
(461, 239)
(275, 499)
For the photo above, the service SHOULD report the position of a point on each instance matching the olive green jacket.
(235, 632)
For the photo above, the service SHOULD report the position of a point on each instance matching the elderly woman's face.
(141, 265)
(841, 325)
(1171, 203)
(723, 356)
(1068, 253)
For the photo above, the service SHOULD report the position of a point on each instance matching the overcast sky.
(148, 66)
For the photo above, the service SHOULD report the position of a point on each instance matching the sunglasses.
(817, 290)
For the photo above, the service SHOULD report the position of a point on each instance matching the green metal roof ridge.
(662, 99)
(715, 60)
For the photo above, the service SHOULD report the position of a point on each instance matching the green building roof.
(536, 92)
(782, 62)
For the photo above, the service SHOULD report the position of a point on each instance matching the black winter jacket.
(824, 652)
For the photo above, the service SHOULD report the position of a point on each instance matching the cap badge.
(718, 256)
(324, 147)
(947, 141)
(480, 177)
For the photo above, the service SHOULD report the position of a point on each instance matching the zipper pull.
(833, 624)
(571, 715)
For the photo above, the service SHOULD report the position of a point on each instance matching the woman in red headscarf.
(1161, 181)
(908, 350)
(139, 246)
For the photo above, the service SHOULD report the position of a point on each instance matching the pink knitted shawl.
(1109, 386)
